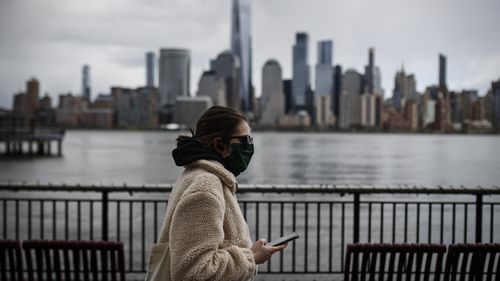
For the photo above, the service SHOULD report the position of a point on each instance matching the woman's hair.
(217, 121)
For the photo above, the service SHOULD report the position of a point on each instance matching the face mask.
(240, 156)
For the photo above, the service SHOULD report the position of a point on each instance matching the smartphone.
(284, 239)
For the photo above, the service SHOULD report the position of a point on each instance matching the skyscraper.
(241, 47)
(325, 52)
(287, 89)
(495, 90)
(404, 89)
(86, 82)
(373, 76)
(442, 71)
(344, 115)
(150, 69)
(324, 69)
(32, 93)
(399, 89)
(368, 110)
(377, 82)
(370, 71)
(227, 66)
(337, 90)
(412, 87)
(213, 86)
(273, 98)
(324, 84)
(300, 80)
(173, 77)
(352, 84)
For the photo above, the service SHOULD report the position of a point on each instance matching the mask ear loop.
(192, 132)
(208, 145)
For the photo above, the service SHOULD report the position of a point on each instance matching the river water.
(139, 157)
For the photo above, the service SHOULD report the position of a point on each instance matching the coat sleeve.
(197, 236)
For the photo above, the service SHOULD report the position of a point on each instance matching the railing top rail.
(259, 188)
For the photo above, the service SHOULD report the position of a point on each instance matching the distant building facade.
(135, 108)
(86, 88)
(495, 90)
(20, 103)
(189, 109)
(227, 67)
(300, 71)
(46, 114)
(442, 71)
(213, 86)
(405, 88)
(370, 71)
(325, 74)
(287, 89)
(174, 79)
(368, 110)
(352, 84)
(442, 122)
(70, 110)
(241, 47)
(100, 113)
(411, 114)
(344, 117)
(273, 97)
(150, 69)
(337, 90)
(32, 93)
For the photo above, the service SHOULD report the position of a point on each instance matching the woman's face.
(243, 129)
(240, 135)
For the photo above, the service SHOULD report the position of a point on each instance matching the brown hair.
(217, 121)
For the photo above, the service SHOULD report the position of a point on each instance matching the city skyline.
(113, 40)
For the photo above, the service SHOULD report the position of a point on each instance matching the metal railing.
(327, 216)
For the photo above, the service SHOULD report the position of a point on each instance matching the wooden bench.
(11, 263)
(393, 262)
(473, 262)
(74, 260)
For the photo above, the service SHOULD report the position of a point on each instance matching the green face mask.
(238, 160)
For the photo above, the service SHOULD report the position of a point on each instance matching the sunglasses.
(247, 139)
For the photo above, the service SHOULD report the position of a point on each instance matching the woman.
(207, 234)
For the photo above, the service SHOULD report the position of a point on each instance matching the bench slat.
(388, 261)
(80, 260)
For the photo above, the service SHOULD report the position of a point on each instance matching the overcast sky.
(52, 39)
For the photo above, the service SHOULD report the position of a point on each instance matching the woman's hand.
(262, 252)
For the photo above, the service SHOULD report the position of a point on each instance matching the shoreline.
(295, 130)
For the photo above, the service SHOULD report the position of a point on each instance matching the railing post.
(105, 215)
(356, 209)
(479, 218)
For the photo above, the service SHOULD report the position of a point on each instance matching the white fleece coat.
(208, 236)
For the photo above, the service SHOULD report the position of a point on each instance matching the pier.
(22, 136)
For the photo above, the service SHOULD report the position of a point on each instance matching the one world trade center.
(241, 48)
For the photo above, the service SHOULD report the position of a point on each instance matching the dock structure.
(21, 136)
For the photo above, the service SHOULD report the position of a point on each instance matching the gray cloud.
(52, 39)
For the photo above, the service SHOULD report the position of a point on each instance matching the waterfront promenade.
(328, 217)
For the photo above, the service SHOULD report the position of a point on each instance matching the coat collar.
(218, 169)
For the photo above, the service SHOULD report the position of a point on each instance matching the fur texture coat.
(208, 236)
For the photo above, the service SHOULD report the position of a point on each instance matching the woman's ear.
(220, 147)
